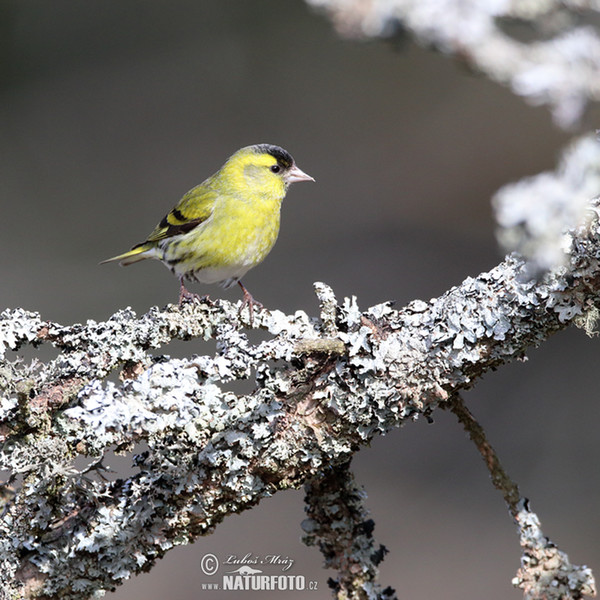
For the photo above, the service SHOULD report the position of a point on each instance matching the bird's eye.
(275, 168)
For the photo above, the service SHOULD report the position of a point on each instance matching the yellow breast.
(242, 232)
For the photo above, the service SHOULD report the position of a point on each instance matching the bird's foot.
(186, 296)
(250, 302)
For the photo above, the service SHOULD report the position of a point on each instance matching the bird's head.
(262, 169)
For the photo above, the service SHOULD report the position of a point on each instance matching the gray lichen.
(338, 523)
(17, 327)
(546, 571)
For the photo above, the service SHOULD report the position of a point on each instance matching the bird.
(225, 226)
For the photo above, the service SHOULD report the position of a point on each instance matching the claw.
(186, 296)
(249, 301)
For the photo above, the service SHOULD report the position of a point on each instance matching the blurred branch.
(558, 65)
(535, 214)
(323, 388)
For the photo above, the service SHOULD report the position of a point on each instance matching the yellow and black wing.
(192, 210)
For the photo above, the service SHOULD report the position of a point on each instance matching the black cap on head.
(283, 157)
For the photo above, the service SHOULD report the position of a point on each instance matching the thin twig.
(500, 478)
(546, 572)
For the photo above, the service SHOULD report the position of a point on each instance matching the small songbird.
(226, 225)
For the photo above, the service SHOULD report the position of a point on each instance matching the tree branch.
(546, 572)
(558, 65)
(338, 523)
(324, 387)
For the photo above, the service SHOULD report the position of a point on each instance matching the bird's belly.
(226, 275)
(223, 257)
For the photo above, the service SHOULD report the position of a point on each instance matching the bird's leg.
(249, 301)
(186, 296)
(183, 293)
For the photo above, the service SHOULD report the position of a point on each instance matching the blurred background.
(110, 110)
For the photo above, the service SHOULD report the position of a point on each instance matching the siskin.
(226, 225)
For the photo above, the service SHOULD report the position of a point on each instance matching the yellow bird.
(226, 225)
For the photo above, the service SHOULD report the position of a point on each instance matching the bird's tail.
(137, 253)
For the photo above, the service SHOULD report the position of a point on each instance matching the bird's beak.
(295, 174)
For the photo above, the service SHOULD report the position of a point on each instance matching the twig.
(546, 572)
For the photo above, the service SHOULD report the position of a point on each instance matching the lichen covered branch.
(323, 387)
(339, 525)
(535, 213)
(546, 572)
(557, 65)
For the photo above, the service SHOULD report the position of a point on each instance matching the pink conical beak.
(295, 174)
